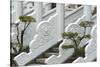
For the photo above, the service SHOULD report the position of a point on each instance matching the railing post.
(60, 13)
(88, 12)
(88, 15)
(39, 11)
(47, 6)
(18, 8)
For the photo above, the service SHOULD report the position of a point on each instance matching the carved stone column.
(39, 11)
(18, 8)
(88, 16)
(47, 6)
(88, 12)
(60, 12)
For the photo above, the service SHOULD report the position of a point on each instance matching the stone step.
(49, 54)
(35, 64)
(55, 50)
(40, 60)
(70, 60)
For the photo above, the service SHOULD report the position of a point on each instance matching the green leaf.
(79, 38)
(64, 34)
(86, 24)
(87, 36)
(25, 49)
(27, 19)
(69, 35)
(79, 52)
(67, 46)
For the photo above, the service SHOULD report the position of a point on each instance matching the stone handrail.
(27, 2)
(50, 12)
(45, 38)
(30, 11)
(78, 9)
(94, 18)
(20, 55)
(73, 16)
(64, 54)
(90, 50)
(32, 28)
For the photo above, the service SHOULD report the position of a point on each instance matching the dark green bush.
(67, 46)
(27, 19)
(74, 36)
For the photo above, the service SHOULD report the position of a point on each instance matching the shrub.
(74, 36)
(67, 46)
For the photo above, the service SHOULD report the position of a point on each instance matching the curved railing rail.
(32, 27)
(45, 38)
(73, 16)
(90, 50)
(64, 54)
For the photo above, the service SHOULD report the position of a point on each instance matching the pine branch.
(18, 34)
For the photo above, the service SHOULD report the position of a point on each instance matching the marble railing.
(49, 13)
(73, 16)
(45, 38)
(91, 48)
(53, 11)
(94, 17)
(64, 54)
(31, 30)
(29, 33)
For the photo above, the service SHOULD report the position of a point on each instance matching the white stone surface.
(28, 7)
(61, 13)
(74, 27)
(91, 48)
(32, 27)
(79, 60)
(88, 12)
(18, 9)
(64, 54)
(46, 34)
(47, 7)
(45, 38)
(39, 11)
(73, 16)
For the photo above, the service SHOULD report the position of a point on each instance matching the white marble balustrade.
(48, 28)
(91, 48)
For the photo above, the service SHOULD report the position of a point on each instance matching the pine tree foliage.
(76, 39)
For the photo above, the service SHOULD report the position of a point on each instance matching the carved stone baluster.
(18, 8)
(88, 12)
(88, 15)
(39, 11)
(47, 7)
(60, 12)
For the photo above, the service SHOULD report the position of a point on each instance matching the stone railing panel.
(90, 50)
(73, 16)
(45, 38)
(64, 54)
